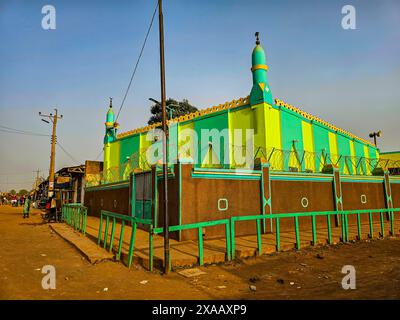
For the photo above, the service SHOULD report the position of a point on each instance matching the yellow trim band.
(260, 66)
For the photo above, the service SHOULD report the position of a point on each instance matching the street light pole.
(375, 135)
(53, 119)
(165, 140)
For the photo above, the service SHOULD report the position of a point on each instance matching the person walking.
(27, 207)
(53, 209)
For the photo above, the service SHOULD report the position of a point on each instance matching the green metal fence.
(114, 218)
(199, 226)
(133, 221)
(295, 216)
(75, 215)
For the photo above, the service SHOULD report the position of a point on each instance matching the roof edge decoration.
(221, 107)
(238, 103)
(281, 103)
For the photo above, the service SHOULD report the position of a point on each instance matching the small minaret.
(260, 91)
(110, 136)
(110, 124)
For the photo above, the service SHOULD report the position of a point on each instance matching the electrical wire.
(67, 153)
(137, 62)
(18, 131)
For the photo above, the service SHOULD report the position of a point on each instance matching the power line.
(99, 155)
(137, 62)
(5, 129)
(67, 153)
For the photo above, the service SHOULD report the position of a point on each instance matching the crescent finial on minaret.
(257, 38)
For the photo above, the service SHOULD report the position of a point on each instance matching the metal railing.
(199, 226)
(344, 225)
(107, 215)
(111, 217)
(75, 215)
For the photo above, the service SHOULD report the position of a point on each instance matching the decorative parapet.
(221, 107)
(281, 103)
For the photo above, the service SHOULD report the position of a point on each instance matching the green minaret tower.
(260, 91)
(110, 125)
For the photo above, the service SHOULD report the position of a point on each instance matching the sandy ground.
(314, 273)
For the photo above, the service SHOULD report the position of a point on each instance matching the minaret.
(110, 136)
(111, 125)
(260, 91)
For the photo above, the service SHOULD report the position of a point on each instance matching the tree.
(23, 192)
(176, 108)
(13, 192)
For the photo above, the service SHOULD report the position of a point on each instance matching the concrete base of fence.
(86, 246)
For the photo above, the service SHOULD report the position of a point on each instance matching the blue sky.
(347, 77)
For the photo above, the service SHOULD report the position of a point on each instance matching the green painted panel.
(359, 148)
(128, 147)
(372, 152)
(292, 131)
(143, 209)
(217, 124)
(321, 144)
(344, 151)
(139, 209)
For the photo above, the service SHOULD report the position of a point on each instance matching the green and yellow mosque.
(286, 137)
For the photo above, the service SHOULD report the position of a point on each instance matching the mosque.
(289, 138)
(301, 163)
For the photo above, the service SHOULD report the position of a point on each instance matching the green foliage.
(177, 108)
(13, 192)
(23, 192)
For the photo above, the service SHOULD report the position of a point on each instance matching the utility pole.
(53, 119)
(165, 140)
(37, 177)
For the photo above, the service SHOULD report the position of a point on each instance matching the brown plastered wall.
(396, 195)
(375, 199)
(287, 198)
(93, 199)
(200, 202)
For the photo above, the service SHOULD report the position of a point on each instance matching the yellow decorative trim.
(260, 66)
(227, 105)
(308, 116)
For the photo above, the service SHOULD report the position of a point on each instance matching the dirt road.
(29, 244)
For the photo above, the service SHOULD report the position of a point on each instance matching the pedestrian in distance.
(53, 209)
(27, 207)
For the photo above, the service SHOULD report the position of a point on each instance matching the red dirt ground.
(313, 273)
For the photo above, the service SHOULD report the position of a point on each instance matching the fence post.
(328, 222)
(112, 234)
(121, 239)
(106, 232)
(201, 258)
(359, 226)
(100, 229)
(228, 241)
(371, 226)
(132, 243)
(391, 215)
(84, 220)
(233, 237)
(259, 244)
(296, 224)
(382, 224)
(278, 234)
(314, 230)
